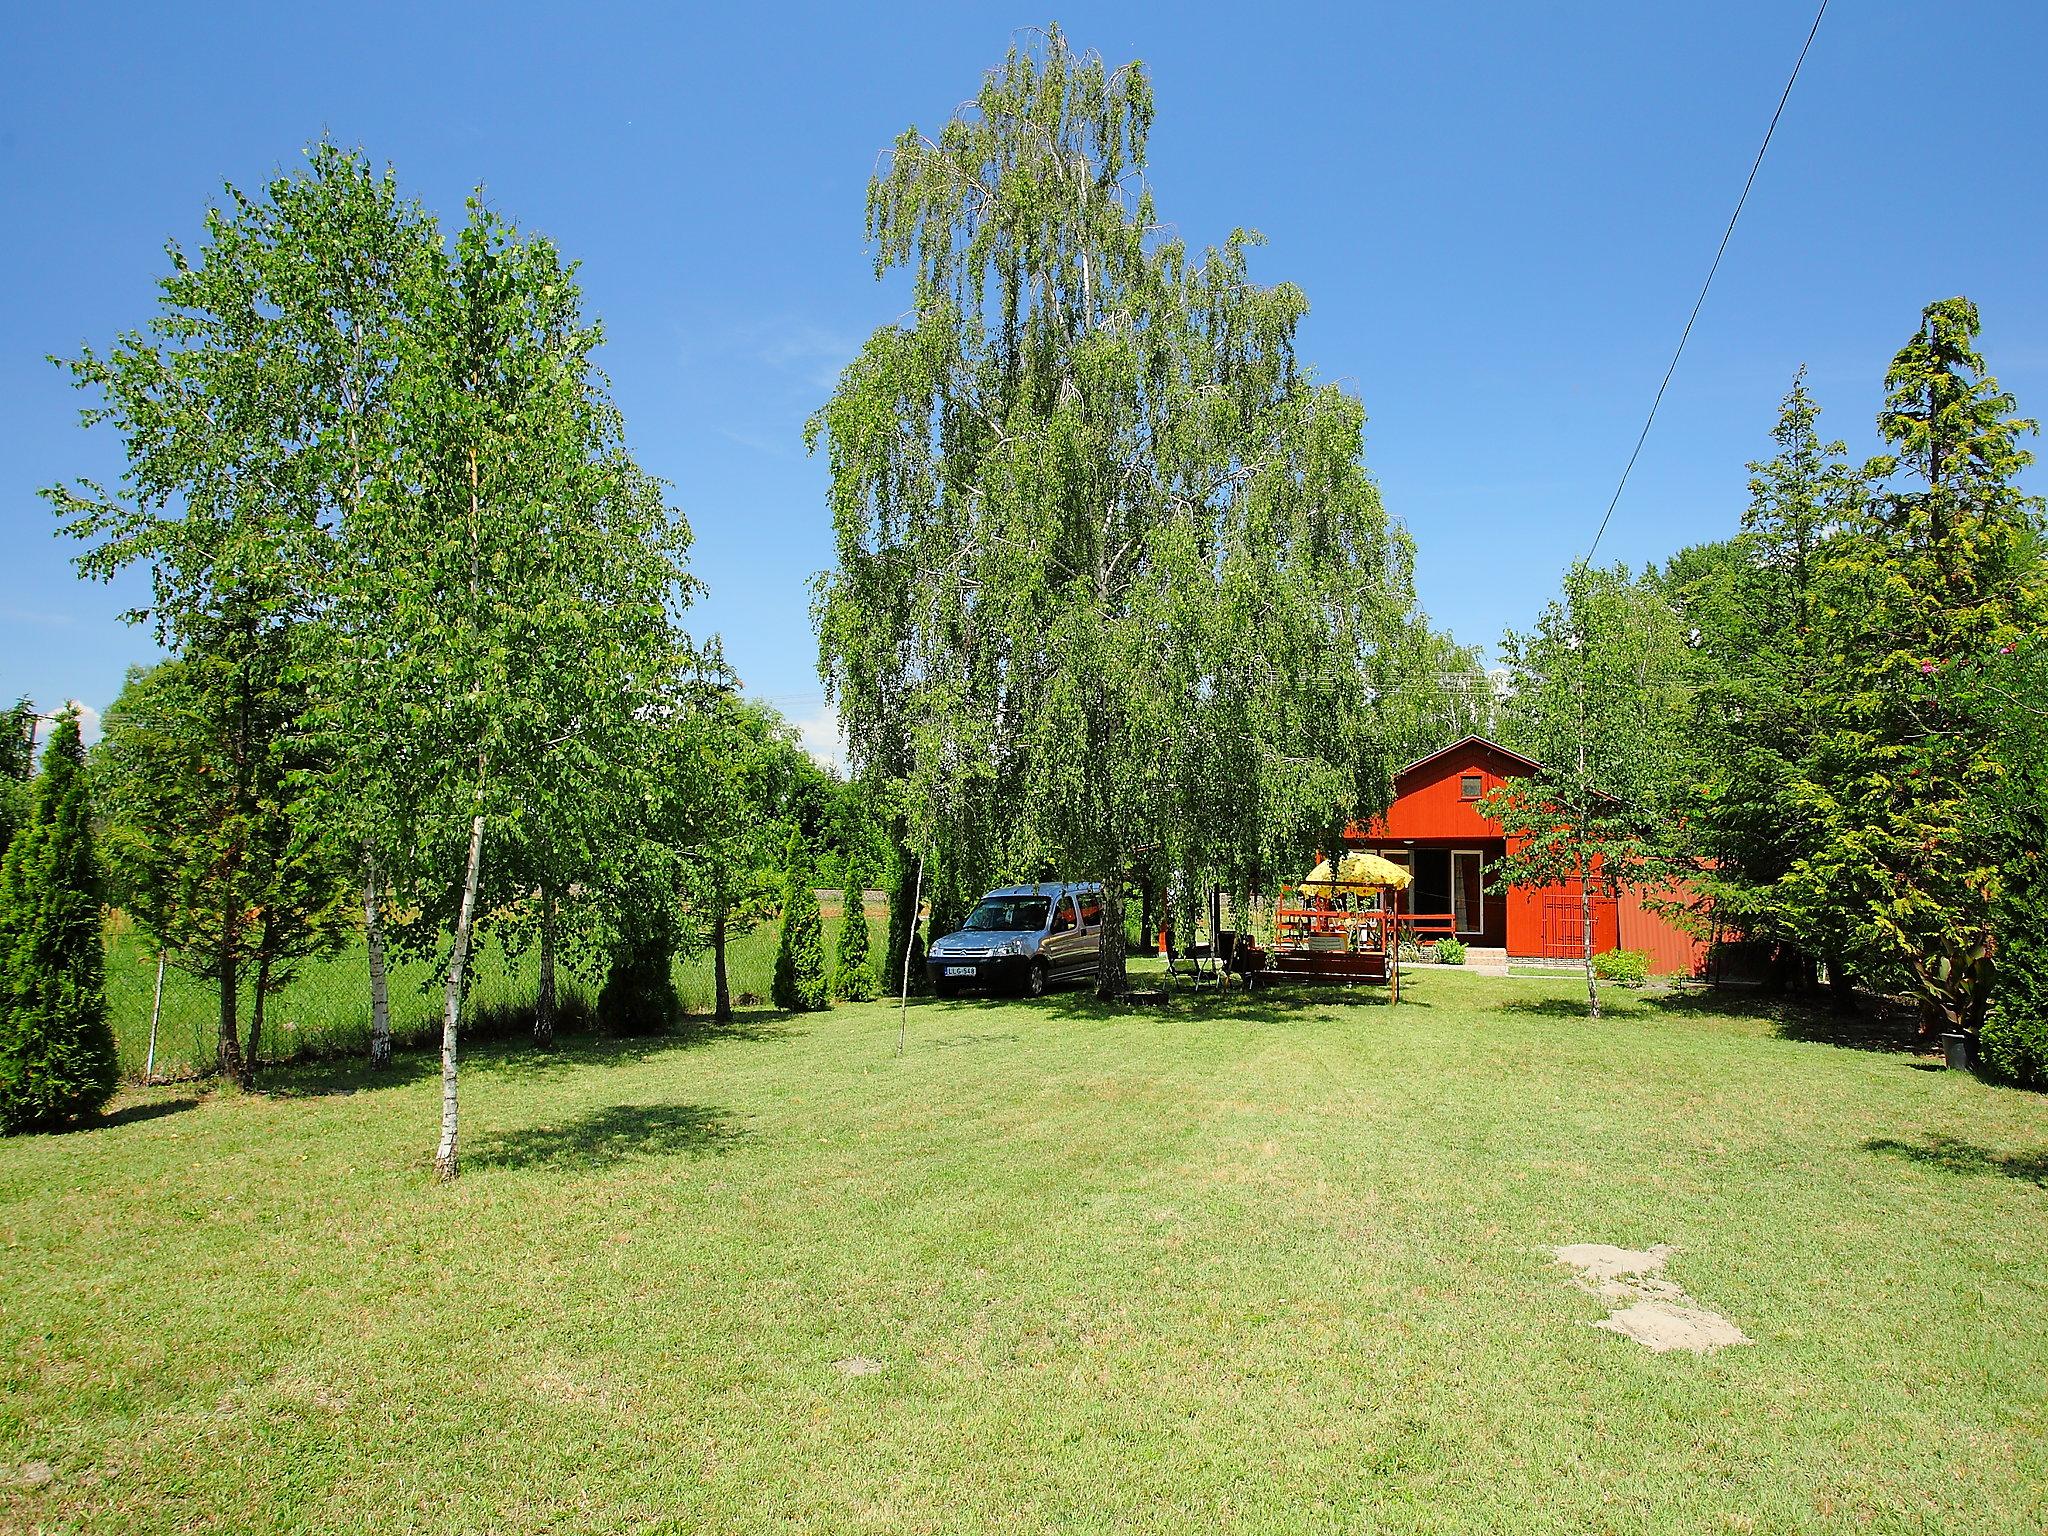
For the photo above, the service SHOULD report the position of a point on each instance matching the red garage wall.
(1672, 951)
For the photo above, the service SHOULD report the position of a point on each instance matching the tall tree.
(1758, 613)
(746, 767)
(253, 415)
(1945, 570)
(853, 970)
(1105, 551)
(1595, 692)
(56, 1050)
(507, 610)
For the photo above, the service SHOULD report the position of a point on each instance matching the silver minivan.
(1023, 938)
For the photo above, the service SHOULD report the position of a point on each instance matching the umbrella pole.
(1393, 942)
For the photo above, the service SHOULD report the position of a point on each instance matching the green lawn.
(1248, 1266)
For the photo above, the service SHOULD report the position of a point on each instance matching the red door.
(1562, 933)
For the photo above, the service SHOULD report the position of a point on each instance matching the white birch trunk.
(380, 992)
(1586, 933)
(445, 1164)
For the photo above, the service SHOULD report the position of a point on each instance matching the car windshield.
(1007, 914)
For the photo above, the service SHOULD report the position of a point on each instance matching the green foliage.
(56, 1049)
(853, 967)
(2009, 691)
(1597, 689)
(800, 975)
(1942, 574)
(1110, 572)
(17, 766)
(639, 995)
(1627, 967)
(201, 776)
(1448, 951)
(1758, 608)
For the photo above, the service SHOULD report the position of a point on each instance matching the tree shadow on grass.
(1951, 1154)
(132, 1114)
(1561, 1008)
(1274, 1004)
(516, 1058)
(604, 1137)
(1876, 1028)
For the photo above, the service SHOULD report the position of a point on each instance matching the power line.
(1719, 252)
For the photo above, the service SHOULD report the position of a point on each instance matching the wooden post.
(1394, 946)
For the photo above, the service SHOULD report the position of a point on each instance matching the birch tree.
(511, 589)
(253, 412)
(1106, 552)
(1596, 690)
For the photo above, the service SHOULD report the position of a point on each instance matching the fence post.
(156, 1008)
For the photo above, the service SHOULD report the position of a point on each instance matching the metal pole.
(156, 1009)
(909, 944)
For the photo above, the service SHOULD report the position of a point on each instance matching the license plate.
(959, 970)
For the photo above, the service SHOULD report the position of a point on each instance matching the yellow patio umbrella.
(1358, 873)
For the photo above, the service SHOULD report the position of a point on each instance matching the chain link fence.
(324, 1010)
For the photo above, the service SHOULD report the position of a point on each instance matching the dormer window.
(1471, 786)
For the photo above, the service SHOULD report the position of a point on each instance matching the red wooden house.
(1435, 829)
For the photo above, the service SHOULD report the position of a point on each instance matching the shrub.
(853, 966)
(1449, 951)
(800, 982)
(639, 995)
(1408, 949)
(1626, 967)
(56, 1048)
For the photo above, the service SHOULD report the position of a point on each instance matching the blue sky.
(1500, 214)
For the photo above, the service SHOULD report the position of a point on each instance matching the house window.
(1470, 786)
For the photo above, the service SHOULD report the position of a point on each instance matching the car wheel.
(1035, 979)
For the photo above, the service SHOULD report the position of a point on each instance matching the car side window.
(1063, 918)
(1091, 909)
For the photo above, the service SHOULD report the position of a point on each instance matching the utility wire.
(1719, 252)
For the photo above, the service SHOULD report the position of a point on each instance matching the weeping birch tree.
(1106, 551)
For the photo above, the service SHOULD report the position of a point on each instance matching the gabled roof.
(1459, 745)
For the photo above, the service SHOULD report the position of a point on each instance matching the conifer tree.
(1944, 572)
(853, 972)
(56, 1050)
(800, 980)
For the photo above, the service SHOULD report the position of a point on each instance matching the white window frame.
(1458, 892)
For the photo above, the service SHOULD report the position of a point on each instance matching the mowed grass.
(1246, 1265)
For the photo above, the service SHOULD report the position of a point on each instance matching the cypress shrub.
(56, 1048)
(639, 995)
(800, 980)
(853, 966)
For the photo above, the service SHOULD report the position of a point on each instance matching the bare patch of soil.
(1644, 1306)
